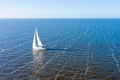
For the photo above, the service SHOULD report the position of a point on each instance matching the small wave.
(3, 50)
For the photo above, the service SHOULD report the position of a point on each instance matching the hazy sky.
(59, 8)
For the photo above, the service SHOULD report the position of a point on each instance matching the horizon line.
(66, 18)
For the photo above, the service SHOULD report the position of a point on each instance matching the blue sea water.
(78, 49)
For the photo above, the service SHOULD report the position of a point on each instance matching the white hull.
(39, 48)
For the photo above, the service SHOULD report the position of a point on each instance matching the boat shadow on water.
(61, 49)
(35, 52)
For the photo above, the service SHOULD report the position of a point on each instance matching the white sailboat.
(37, 44)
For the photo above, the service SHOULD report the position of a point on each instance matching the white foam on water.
(3, 50)
(113, 56)
(116, 61)
(112, 53)
(87, 67)
(87, 62)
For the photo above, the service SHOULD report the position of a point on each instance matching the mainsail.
(37, 44)
(34, 42)
(38, 39)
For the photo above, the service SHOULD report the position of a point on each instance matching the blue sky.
(59, 8)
